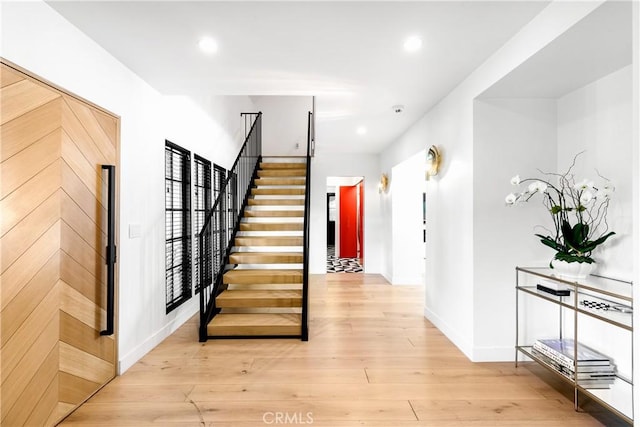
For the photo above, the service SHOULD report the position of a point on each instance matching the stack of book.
(594, 370)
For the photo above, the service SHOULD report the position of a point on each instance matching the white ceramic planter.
(572, 270)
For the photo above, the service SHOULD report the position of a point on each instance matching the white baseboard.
(150, 343)
(463, 345)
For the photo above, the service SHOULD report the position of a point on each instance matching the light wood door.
(52, 240)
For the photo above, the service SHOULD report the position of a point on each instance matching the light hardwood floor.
(372, 360)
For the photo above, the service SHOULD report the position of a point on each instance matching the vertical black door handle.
(111, 246)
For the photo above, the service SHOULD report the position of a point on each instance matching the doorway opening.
(345, 224)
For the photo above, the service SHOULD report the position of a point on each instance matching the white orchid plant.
(578, 210)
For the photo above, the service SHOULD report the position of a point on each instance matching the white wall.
(636, 184)
(284, 124)
(407, 246)
(450, 281)
(326, 165)
(510, 137)
(597, 119)
(37, 38)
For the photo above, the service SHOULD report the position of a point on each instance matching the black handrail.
(307, 203)
(222, 222)
(111, 247)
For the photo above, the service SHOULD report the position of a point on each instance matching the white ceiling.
(348, 54)
(596, 46)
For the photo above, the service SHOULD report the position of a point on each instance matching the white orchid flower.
(537, 186)
(510, 199)
(583, 185)
(515, 180)
(604, 192)
(586, 197)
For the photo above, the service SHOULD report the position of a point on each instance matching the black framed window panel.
(201, 207)
(177, 225)
(218, 220)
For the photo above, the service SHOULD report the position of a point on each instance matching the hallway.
(371, 360)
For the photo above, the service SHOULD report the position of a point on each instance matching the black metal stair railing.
(306, 228)
(222, 222)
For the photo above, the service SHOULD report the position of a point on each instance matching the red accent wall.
(361, 222)
(348, 222)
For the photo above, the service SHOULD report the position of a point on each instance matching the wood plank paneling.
(109, 124)
(82, 280)
(46, 405)
(29, 162)
(78, 134)
(20, 203)
(9, 76)
(22, 97)
(23, 131)
(74, 246)
(51, 190)
(19, 379)
(81, 195)
(23, 235)
(92, 128)
(75, 389)
(15, 349)
(75, 218)
(84, 365)
(83, 309)
(29, 297)
(89, 173)
(41, 383)
(79, 335)
(26, 267)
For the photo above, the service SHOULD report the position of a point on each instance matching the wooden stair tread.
(262, 276)
(280, 181)
(271, 226)
(266, 191)
(272, 213)
(265, 257)
(269, 241)
(238, 324)
(283, 165)
(282, 172)
(275, 202)
(259, 298)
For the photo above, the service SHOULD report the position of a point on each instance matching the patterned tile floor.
(341, 265)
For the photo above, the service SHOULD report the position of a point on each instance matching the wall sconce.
(384, 183)
(434, 159)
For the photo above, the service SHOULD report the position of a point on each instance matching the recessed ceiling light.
(412, 44)
(361, 130)
(208, 45)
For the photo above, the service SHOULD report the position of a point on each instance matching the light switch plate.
(135, 231)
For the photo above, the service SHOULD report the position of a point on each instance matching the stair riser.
(244, 258)
(282, 173)
(267, 226)
(273, 214)
(265, 241)
(276, 202)
(265, 191)
(231, 331)
(261, 277)
(279, 181)
(250, 303)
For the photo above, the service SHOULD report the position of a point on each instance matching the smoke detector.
(398, 108)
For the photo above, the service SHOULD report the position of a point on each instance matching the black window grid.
(202, 206)
(177, 225)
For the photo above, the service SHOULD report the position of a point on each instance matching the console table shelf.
(608, 302)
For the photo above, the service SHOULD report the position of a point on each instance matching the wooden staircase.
(262, 293)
